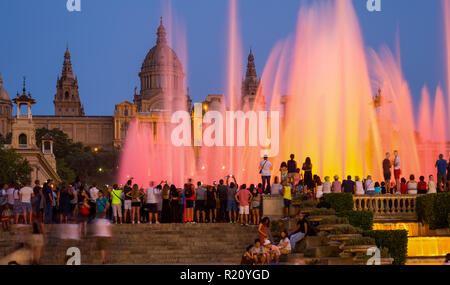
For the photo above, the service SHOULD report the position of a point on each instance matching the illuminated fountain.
(323, 81)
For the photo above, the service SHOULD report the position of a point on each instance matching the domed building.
(162, 79)
(162, 91)
(5, 110)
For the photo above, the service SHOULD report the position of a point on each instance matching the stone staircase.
(151, 244)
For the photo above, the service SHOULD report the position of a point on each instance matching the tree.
(75, 159)
(5, 139)
(14, 168)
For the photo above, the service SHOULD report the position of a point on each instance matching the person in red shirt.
(243, 197)
(422, 186)
(403, 186)
(260, 190)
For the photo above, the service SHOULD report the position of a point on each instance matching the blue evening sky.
(109, 39)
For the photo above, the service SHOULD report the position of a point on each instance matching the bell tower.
(67, 100)
(250, 86)
(23, 131)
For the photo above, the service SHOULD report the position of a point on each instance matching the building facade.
(161, 91)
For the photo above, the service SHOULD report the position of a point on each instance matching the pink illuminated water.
(322, 79)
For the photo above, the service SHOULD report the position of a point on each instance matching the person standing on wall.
(387, 165)
(441, 166)
(397, 170)
(265, 167)
(292, 167)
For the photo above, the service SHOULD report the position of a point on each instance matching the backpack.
(188, 192)
(84, 210)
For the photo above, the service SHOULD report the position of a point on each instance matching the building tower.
(250, 86)
(5, 110)
(23, 131)
(67, 100)
(42, 162)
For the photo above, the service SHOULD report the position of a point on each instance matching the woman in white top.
(359, 186)
(319, 187)
(327, 185)
(370, 188)
(284, 245)
(276, 187)
(412, 185)
(432, 185)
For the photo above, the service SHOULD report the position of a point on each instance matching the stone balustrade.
(387, 207)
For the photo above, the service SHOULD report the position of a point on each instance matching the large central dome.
(162, 78)
(161, 57)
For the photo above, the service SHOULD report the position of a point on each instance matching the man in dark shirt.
(47, 192)
(441, 166)
(36, 199)
(387, 169)
(127, 200)
(222, 192)
(292, 166)
(348, 185)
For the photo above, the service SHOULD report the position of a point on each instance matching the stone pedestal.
(273, 207)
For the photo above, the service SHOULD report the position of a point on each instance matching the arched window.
(47, 145)
(23, 140)
(125, 112)
(67, 95)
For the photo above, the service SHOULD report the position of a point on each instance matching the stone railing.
(387, 207)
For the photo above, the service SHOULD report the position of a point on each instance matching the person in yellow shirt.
(286, 191)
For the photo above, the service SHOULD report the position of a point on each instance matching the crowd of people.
(163, 203)
(266, 250)
(223, 202)
(226, 201)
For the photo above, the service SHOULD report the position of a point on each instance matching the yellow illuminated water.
(414, 229)
(428, 246)
(420, 243)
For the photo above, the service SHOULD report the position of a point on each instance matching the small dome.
(3, 94)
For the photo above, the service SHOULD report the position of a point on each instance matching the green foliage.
(434, 209)
(322, 212)
(14, 168)
(360, 241)
(299, 198)
(5, 139)
(332, 220)
(308, 204)
(340, 202)
(74, 159)
(395, 241)
(345, 230)
(360, 219)
(66, 173)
